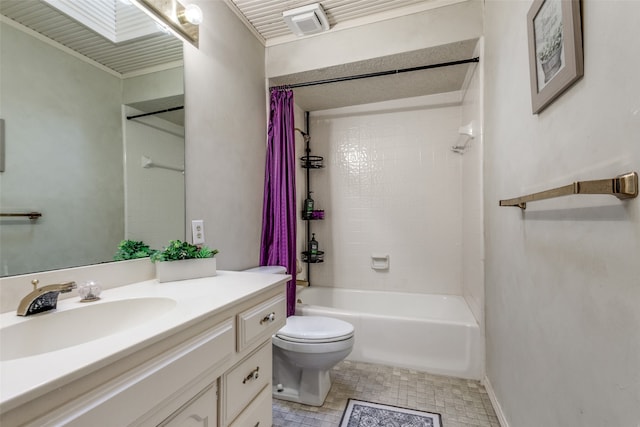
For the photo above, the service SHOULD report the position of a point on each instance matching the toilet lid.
(315, 329)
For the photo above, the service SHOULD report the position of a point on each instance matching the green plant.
(132, 249)
(178, 250)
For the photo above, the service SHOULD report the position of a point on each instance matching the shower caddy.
(310, 162)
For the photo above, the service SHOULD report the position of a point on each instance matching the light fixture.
(191, 14)
(180, 20)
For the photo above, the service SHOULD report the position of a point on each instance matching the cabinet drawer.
(259, 413)
(261, 321)
(245, 380)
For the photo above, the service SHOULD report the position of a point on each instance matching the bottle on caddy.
(313, 248)
(307, 212)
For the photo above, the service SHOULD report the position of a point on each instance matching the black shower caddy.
(310, 162)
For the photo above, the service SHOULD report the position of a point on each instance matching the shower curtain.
(278, 242)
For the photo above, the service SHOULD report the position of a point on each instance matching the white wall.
(458, 22)
(391, 186)
(301, 192)
(563, 277)
(63, 137)
(156, 85)
(472, 215)
(225, 133)
(154, 196)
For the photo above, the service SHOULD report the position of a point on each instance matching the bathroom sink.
(57, 330)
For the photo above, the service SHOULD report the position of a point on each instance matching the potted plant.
(132, 249)
(182, 260)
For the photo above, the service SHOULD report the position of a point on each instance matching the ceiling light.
(176, 17)
(191, 14)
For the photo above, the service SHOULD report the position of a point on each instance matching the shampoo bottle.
(313, 248)
(308, 207)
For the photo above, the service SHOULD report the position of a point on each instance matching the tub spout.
(43, 299)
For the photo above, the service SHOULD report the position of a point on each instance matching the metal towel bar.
(30, 215)
(622, 186)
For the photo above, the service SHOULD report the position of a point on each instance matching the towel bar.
(30, 215)
(622, 186)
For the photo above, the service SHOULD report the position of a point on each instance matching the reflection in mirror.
(71, 154)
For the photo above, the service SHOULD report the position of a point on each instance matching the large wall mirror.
(83, 87)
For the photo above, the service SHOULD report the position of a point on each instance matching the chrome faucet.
(43, 299)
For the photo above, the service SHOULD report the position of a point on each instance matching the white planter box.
(168, 271)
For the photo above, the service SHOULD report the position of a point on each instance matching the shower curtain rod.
(155, 112)
(377, 74)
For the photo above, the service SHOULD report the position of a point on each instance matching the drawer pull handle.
(269, 318)
(253, 375)
(257, 424)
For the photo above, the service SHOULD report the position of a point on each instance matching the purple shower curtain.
(278, 242)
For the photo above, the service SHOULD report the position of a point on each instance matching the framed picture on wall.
(555, 49)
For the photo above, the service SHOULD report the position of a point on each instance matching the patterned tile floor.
(462, 403)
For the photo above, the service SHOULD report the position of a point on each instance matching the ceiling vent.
(306, 20)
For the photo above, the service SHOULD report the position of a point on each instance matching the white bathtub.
(432, 333)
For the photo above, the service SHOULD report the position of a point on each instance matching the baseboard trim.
(494, 401)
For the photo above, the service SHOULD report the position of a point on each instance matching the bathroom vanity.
(199, 353)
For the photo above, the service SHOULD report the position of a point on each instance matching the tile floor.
(462, 403)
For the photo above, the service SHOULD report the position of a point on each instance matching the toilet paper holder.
(380, 262)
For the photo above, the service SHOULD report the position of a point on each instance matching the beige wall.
(563, 278)
(225, 133)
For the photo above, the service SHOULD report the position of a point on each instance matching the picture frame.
(554, 30)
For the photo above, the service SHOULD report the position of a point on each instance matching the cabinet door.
(259, 412)
(199, 412)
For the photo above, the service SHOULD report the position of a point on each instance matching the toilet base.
(311, 388)
(295, 384)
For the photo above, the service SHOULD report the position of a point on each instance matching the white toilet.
(304, 351)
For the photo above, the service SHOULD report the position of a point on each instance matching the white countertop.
(29, 377)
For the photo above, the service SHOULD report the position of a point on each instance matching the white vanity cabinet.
(244, 397)
(216, 371)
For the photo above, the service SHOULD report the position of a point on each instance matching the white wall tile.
(391, 185)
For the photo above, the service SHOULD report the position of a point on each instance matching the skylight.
(116, 20)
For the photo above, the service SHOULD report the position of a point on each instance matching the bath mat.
(360, 413)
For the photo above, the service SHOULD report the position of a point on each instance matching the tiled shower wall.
(390, 186)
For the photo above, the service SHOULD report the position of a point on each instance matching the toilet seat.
(315, 329)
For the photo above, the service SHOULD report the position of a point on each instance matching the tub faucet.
(43, 299)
